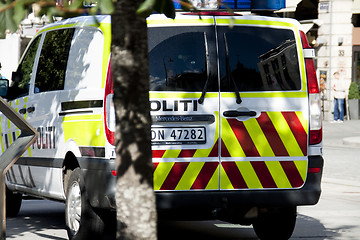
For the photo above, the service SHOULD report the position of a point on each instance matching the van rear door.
(263, 104)
(185, 131)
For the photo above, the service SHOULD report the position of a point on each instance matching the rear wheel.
(13, 203)
(275, 224)
(81, 220)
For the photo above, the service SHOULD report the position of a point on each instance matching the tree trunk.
(135, 199)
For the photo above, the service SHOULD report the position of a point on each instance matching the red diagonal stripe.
(155, 164)
(292, 173)
(174, 176)
(263, 174)
(224, 150)
(234, 175)
(206, 172)
(215, 150)
(158, 153)
(272, 135)
(244, 138)
(187, 153)
(297, 129)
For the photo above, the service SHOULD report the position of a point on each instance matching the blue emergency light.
(243, 5)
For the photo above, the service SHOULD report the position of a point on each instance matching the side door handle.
(30, 109)
(22, 111)
(234, 113)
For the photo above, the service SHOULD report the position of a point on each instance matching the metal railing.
(8, 158)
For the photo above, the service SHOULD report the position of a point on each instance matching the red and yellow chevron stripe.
(233, 175)
(275, 141)
(186, 175)
(263, 174)
(272, 134)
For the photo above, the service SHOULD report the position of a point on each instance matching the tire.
(276, 224)
(13, 203)
(82, 222)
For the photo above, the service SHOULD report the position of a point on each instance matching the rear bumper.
(309, 194)
(102, 183)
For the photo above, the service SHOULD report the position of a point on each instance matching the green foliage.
(160, 6)
(12, 12)
(20, 12)
(6, 19)
(354, 91)
(106, 6)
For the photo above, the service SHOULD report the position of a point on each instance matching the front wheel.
(275, 223)
(82, 222)
(13, 203)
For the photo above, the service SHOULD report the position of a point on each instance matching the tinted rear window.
(258, 59)
(177, 59)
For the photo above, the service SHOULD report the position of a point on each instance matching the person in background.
(1, 76)
(339, 88)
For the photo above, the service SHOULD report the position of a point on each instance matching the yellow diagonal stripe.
(303, 121)
(258, 137)
(225, 181)
(171, 153)
(278, 174)
(214, 181)
(302, 167)
(230, 140)
(189, 176)
(160, 174)
(249, 174)
(285, 134)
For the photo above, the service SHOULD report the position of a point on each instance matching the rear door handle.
(234, 113)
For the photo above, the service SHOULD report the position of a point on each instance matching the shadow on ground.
(48, 222)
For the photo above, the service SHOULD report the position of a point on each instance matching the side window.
(53, 60)
(178, 63)
(86, 59)
(20, 86)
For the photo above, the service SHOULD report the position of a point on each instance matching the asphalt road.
(336, 216)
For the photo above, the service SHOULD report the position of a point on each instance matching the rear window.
(178, 60)
(258, 59)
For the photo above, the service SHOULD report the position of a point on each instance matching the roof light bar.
(254, 5)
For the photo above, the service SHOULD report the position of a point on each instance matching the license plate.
(178, 135)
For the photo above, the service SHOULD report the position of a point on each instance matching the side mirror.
(16, 77)
(4, 86)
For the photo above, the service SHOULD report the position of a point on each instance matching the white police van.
(236, 131)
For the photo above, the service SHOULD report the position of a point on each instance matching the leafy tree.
(136, 214)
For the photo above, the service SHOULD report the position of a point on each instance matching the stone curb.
(352, 141)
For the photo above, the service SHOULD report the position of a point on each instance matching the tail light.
(315, 135)
(109, 109)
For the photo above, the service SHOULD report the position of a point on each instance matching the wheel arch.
(70, 163)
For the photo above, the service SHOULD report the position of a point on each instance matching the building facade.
(334, 46)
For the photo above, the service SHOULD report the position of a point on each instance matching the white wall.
(9, 54)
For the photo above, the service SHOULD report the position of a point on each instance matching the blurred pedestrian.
(1, 76)
(339, 87)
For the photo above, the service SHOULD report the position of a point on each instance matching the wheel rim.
(74, 207)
